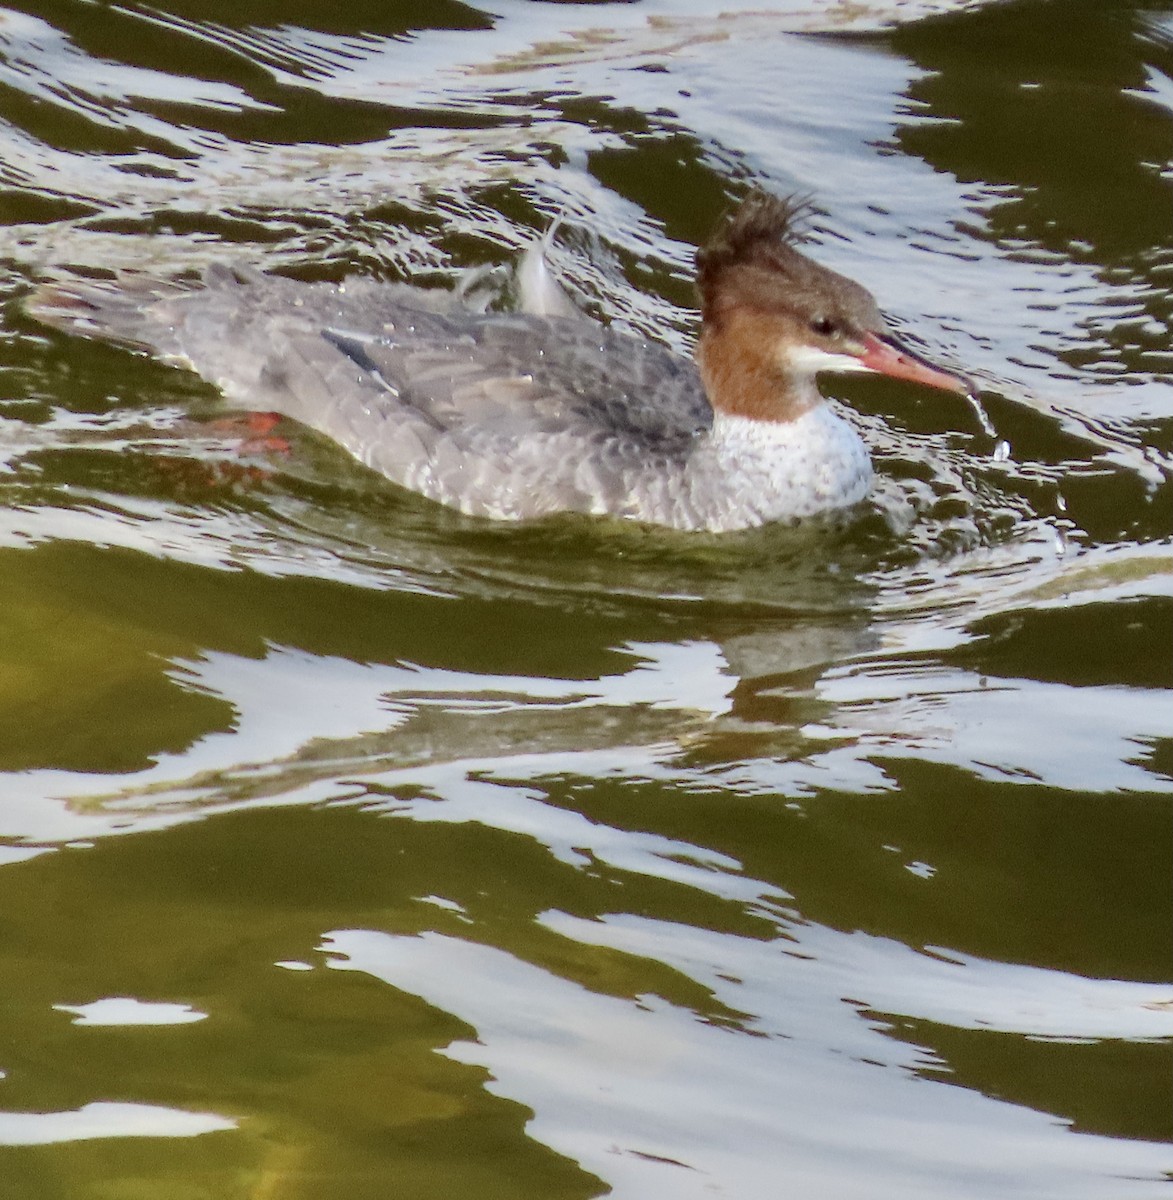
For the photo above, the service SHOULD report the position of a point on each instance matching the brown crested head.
(752, 262)
(773, 318)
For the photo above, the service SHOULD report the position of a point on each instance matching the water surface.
(351, 847)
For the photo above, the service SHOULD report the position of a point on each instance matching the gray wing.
(465, 407)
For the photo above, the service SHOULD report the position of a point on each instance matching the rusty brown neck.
(738, 361)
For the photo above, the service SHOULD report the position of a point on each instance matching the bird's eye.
(823, 326)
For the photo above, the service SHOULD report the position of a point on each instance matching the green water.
(350, 848)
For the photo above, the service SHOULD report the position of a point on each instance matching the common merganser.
(515, 415)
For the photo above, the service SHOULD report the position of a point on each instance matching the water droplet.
(980, 412)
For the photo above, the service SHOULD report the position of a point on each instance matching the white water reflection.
(39, 59)
(125, 1010)
(817, 978)
(106, 1119)
(936, 714)
(526, 38)
(627, 1089)
(301, 727)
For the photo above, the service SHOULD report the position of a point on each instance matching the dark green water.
(349, 848)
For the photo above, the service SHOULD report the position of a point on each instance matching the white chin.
(809, 360)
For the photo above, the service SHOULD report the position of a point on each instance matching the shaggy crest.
(752, 234)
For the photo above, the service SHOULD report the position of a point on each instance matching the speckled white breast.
(744, 472)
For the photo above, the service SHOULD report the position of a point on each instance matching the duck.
(522, 415)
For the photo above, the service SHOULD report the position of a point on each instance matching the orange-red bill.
(888, 357)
